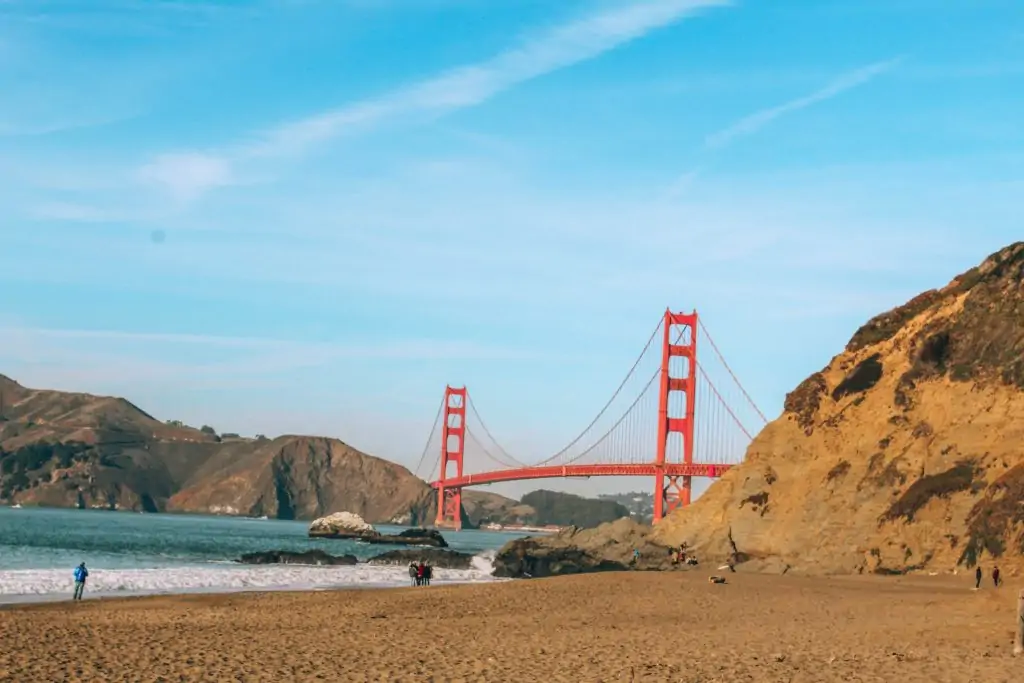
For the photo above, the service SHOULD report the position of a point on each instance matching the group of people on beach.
(978, 574)
(680, 555)
(421, 573)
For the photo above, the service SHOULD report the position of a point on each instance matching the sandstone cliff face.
(904, 453)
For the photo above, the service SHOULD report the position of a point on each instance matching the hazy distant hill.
(542, 508)
(70, 449)
(78, 450)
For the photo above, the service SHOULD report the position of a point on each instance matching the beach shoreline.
(640, 626)
(273, 578)
(13, 601)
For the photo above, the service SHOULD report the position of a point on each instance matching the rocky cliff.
(301, 477)
(483, 506)
(78, 450)
(608, 547)
(904, 453)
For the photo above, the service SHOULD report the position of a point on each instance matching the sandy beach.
(611, 627)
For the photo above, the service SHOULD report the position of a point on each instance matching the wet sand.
(610, 627)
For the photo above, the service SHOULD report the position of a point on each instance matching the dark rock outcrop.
(312, 557)
(428, 537)
(444, 559)
(527, 559)
(608, 547)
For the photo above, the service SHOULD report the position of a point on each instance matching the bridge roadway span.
(645, 470)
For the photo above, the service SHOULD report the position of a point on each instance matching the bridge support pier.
(671, 492)
(453, 448)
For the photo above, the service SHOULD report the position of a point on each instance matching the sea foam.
(20, 585)
(484, 562)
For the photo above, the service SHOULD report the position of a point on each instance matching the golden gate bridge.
(671, 419)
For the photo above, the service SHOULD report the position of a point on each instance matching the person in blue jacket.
(81, 574)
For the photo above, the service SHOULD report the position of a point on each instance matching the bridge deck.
(646, 470)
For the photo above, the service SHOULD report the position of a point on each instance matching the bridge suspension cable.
(514, 461)
(430, 441)
(472, 439)
(719, 436)
(629, 416)
(614, 427)
(611, 400)
(714, 347)
(723, 402)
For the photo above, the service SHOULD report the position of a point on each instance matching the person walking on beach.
(428, 573)
(977, 578)
(420, 571)
(995, 576)
(81, 574)
(412, 573)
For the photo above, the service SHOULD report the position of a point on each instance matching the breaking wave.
(484, 562)
(21, 585)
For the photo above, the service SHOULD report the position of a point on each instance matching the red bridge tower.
(453, 448)
(673, 471)
(671, 491)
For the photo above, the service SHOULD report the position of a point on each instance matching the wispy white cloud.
(556, 48)
(289, 351)
(188, 175)
(524, 252)
(59, 125)
(754, 122)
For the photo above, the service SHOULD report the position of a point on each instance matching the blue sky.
(309, 215)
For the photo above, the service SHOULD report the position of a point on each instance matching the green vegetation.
(758, 502)
(23, 468)
(958, 478)
(805, 400)
(861, 378)
(885, 326)
(841, 468)
(564, 509)
(995, 518)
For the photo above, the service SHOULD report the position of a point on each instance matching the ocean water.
(129, 553)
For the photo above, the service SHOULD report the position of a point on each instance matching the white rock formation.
(341, 524)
